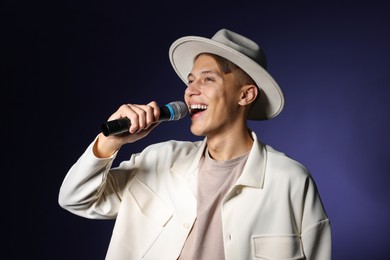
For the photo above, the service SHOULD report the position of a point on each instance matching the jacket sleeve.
(316, 229)
(90, 189)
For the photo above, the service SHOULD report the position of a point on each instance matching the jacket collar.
(254, 170)
(253, 173)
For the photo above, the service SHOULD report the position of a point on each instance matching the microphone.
(171, 111)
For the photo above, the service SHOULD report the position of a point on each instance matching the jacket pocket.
(277, 247)
(150, 204)
(141, 220)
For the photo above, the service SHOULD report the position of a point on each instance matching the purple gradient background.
(68, 66)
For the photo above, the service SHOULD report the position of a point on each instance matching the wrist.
(105, 147)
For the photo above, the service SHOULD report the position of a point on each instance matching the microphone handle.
(122, 125)
(116, 127)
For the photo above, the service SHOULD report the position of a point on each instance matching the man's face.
(212, 98)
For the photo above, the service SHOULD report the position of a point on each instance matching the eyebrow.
(205, 72)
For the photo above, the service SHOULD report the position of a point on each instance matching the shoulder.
(286, 173)
(172, 147)
(282, 164)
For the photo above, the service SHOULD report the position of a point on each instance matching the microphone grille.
(179, 108)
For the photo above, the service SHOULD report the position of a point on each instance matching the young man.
(226, 197)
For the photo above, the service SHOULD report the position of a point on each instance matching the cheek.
(226, 98)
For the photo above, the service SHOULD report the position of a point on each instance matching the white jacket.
(273, 211)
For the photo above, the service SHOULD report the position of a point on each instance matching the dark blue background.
(68, 66)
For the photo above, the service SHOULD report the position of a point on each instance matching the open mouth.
(195, 109)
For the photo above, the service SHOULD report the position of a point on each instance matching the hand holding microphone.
(171, 111)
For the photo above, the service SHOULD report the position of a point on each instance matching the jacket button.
(238, 191)
(229, 236)
(186, 225)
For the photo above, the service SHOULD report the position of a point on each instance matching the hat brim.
(270, 101)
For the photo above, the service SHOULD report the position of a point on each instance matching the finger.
(137, 117)
(153, 113)
(156, 110)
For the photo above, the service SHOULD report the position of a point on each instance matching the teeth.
(198, 107)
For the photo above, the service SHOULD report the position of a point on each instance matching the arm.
(316, 229)
(88, 190)
(91, 188)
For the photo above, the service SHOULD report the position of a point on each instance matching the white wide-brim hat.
(241, 51)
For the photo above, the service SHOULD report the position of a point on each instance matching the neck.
(230, 145)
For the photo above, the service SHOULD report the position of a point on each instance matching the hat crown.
(241, 44)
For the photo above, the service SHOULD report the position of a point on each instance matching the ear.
(248, 94)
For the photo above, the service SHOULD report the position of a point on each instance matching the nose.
(192, 89)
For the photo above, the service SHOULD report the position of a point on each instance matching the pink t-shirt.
(215, 178)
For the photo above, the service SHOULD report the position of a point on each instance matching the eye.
(208, 79)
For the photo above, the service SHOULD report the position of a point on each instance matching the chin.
(197, 131)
